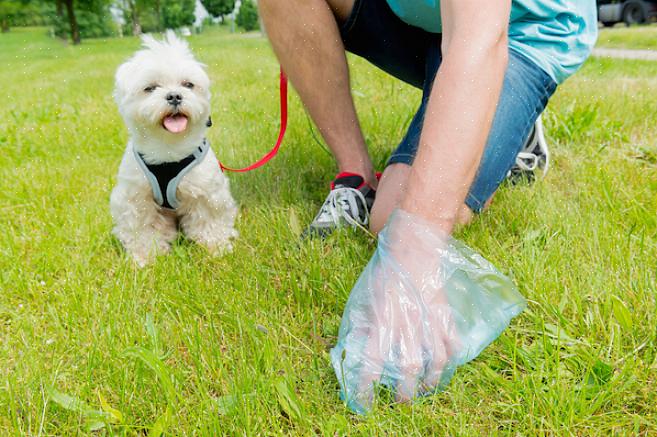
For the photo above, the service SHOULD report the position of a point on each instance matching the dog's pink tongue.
(175, 123)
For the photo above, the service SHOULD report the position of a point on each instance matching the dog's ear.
(209, 122)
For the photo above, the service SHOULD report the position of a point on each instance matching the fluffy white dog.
(169, 177)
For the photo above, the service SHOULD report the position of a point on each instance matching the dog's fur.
(207, 210)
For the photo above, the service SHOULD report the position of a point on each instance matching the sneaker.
(347, 205)
(534, 157)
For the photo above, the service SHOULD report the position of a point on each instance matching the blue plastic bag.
(424, 305)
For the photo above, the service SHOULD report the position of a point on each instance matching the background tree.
(157, 9)
(59, 9)
(25, 13)
(8, 8)
(178, 13)
(141, 15)
(247, 17)
(218, 8)
(132, 12)
(74, 29)
(85, 19)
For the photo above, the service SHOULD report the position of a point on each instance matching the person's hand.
(424, 305)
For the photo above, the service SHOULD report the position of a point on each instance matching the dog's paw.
(220, 250)
(147, 255)
(142, 260)
(217, 243)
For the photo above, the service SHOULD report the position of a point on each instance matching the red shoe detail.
(346, 174)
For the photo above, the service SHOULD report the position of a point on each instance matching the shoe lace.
(527, 161)
(341, 203)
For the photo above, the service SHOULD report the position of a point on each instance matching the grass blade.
(156, 365)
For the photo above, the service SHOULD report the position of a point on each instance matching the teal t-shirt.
(558, 35)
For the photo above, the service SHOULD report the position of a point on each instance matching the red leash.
(265, 159)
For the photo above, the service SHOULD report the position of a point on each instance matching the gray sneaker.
(347, 205)
(534, 158)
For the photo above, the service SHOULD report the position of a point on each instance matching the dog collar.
(165, 177)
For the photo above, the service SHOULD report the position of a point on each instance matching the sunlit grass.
(238, 345)
(635, 37)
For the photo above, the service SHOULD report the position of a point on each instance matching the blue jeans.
(413, 55)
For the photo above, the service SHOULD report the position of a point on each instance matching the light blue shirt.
(558, 35)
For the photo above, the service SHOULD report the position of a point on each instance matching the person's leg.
(316, 63)
(307, 41)
(525, 93)
(374, 32)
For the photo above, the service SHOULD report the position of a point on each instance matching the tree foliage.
(178, 13)
(25, 13)
(8, 9)
(218, 8)
(84, 19)
(247, 17)
(141, 15)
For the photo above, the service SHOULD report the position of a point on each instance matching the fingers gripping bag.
(424, 305)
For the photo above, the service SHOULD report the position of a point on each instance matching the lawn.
(198, 345)
(636, 37)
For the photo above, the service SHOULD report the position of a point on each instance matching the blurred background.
(76, 20)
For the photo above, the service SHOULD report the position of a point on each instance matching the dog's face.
(163, 92)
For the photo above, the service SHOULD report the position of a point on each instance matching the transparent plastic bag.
(424, 305)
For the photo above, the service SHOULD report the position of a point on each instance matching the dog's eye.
(150, 88)
(188, 85)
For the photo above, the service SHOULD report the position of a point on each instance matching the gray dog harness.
(165, 177)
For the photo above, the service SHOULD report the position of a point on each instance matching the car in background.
(629, 12)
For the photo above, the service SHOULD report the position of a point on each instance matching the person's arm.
(461, 108)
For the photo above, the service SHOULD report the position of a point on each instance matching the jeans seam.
(400, 158)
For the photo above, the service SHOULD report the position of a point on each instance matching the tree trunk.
(136, 26)
(5, 25)
(134, 17)
(73, 22)
(59, 32)
(158, 14)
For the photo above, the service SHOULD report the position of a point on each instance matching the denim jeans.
(413, 55)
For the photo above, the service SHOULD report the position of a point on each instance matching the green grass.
(636, 37)
(238, 345)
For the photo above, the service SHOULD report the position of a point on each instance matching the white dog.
(169, 176)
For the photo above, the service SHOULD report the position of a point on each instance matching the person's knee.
(341, 8)
(266, 5)
(276, 9)
(267, 9)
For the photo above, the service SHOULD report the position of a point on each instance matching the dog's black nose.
(174, 98)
